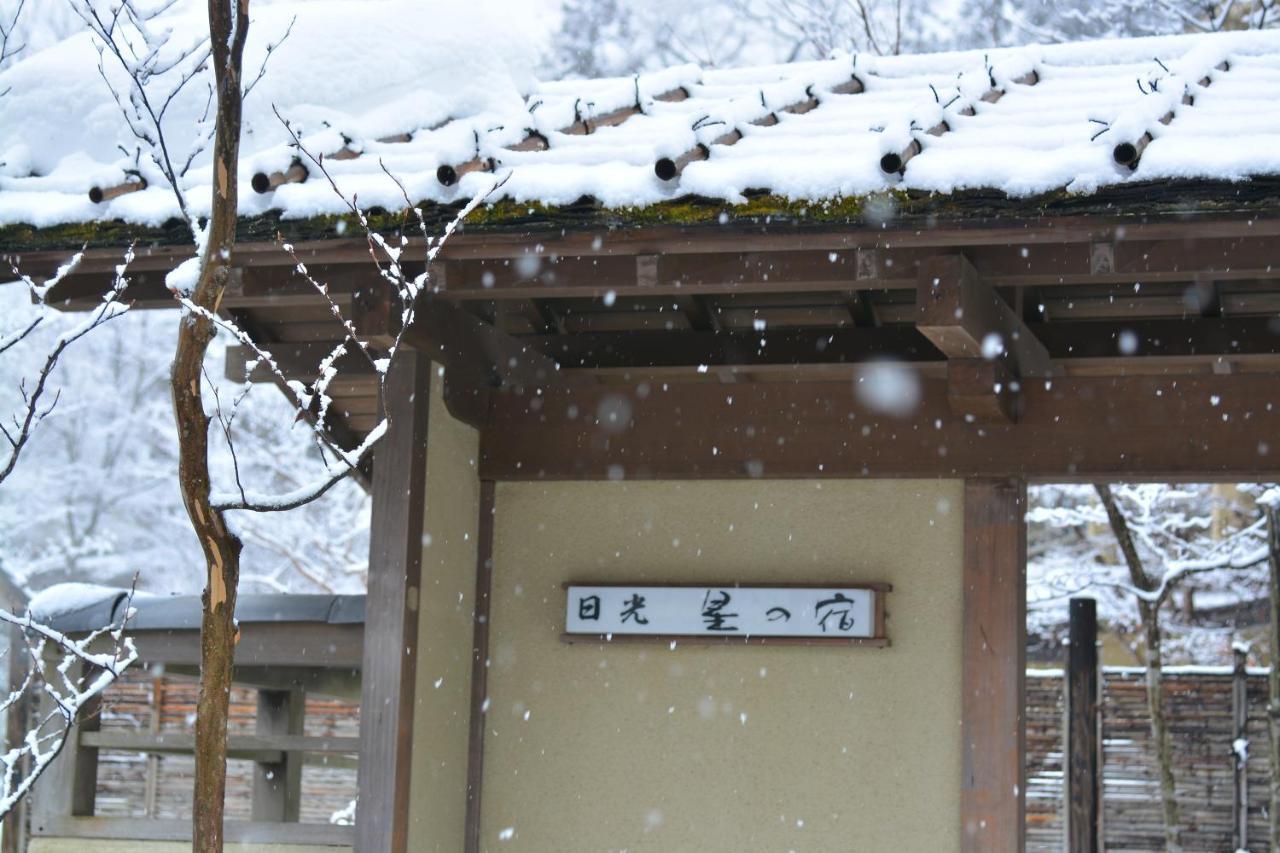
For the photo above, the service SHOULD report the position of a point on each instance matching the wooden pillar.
(1083, 747)
(479, 665)
(16, 724)
(69, 785)
(151, 793)
(1240, 751)
(391, 610)
(277, 786)
(993, 789)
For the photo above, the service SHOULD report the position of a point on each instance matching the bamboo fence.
(1199, 706)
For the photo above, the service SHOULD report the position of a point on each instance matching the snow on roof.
(76, 607)
(450, 106)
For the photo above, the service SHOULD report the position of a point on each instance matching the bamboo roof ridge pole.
(449, 174)
(895, 162)
(589, 124)
(1129, 152)
(264, 182)
(134, 183)
(670, 168)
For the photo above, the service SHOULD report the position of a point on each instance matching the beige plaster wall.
(441, 718)
(639, 747)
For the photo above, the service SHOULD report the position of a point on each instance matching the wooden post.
(479, 665)
(69, 785)
(391, 610)
(1083, 747)
(16, 729)
(151, 792)
(277, 786)
(993, 789)
(1240, 751)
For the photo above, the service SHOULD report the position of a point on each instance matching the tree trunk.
(1149, 611)
(228, 26)
(1160, 726)
(1273, 680)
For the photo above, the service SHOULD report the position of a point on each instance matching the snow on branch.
(312, 401)
(305, 494)
(18, 430)
(86, 668)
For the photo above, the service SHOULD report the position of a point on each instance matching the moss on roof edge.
(1147, 199)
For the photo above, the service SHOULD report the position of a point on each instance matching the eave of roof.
(890, 209)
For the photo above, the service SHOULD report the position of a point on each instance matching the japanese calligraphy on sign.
(725, 611)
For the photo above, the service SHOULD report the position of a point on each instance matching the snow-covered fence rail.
(1200, 709)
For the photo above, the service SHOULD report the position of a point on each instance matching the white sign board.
(721, 611)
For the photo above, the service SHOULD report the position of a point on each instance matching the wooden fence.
(1199, 705)
(151, 785)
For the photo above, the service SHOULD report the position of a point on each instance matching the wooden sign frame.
(879, 638)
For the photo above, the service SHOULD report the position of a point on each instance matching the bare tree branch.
(34, 408)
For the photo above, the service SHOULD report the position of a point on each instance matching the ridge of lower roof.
(183, 612)
(890, 208)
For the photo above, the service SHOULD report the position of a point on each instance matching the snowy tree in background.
(599, 38)
(816, 29)
(1009, 22)
(105, 508)
(613, 38)
(1193, 536)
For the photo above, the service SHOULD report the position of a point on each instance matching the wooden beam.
(1083, 742)
(725, 259)
(479, 665)
(299, 361)
(1073, 429)
(743, 348)
(993, 785)
(263, 644)
(457, 339)
(971, 324)
(965, 318)
(277, 785)
(984, 391)
(1119, 343)
(391, 610)
(177, 829)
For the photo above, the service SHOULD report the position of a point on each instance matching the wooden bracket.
(990, 347)
(984, 390)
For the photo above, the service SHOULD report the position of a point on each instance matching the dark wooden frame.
(391, 610)
(1072, 428)
(879, 640)
(994, 664)
(479, 665)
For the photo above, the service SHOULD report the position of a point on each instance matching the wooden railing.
(268, 732)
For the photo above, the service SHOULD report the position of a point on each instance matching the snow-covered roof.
(1023, 121)
(77, 607)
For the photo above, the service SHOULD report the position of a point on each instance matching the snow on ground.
(458, 79)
